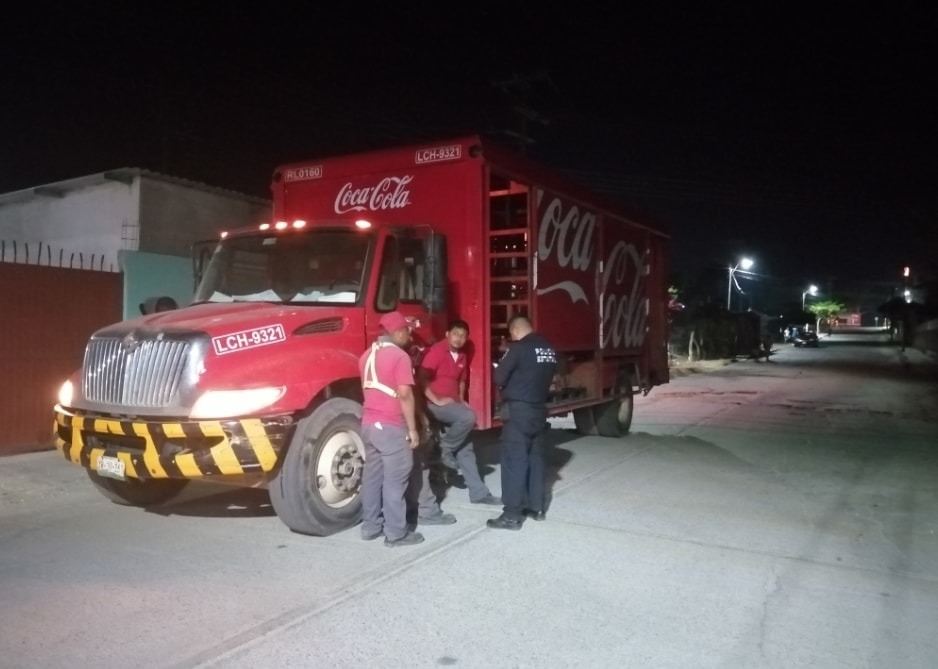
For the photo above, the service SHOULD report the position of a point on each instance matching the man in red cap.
(389, 430)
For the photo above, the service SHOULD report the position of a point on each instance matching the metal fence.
(41, 253)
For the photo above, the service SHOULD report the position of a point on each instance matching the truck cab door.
(411, 268)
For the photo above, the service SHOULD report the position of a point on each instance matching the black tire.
(585, 421)
(315, 490)
(613, 419)
(137, 492)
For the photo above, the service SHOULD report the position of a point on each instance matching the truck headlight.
(66, 393)
(228, 403)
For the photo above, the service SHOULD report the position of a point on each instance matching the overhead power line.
(697, 191)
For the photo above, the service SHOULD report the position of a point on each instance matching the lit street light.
(812, 290)
(745, 263)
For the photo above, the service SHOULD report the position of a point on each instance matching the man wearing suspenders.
(389, 430)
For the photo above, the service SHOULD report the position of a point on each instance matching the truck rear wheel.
(613, 419)
(137, 492)
(585, 421)
(316, 489)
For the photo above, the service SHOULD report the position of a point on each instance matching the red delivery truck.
(256, 382)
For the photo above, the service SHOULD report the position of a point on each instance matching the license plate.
(111, 467)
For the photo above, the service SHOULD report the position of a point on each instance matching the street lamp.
(745, 263)
(812, 290)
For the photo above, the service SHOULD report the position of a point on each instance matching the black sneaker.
(439, 519)
(449, 460)
(454, 479)
(535, 515)
(409, 539)
(372, 536)
(504, 523)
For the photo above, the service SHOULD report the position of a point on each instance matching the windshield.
(313, 266)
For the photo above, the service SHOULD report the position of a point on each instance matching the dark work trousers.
(459, 420)
(419, 492)
(388, 463)
(522, 457)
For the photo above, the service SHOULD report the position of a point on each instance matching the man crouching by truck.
(389, 432)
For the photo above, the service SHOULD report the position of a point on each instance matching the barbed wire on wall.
(40, 253)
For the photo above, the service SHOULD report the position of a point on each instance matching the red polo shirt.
(444, 372)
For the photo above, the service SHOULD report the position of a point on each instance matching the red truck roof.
(464, 148)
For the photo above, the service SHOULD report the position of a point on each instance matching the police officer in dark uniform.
(524, 376)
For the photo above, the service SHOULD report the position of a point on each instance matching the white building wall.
(174, 215)
(81, 223)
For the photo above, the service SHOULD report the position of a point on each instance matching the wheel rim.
(339, 468)
(625, 412)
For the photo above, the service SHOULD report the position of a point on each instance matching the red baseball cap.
(395, 320)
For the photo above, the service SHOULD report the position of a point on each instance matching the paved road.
(779, 514)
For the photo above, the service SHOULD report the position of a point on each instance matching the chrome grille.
(148, 374)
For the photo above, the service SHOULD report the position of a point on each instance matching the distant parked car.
(805, 338)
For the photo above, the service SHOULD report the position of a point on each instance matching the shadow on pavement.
(208, 501)
(486, 446)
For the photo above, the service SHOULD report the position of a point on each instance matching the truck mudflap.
(171, 450)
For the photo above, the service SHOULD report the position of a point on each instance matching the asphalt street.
(759, 514)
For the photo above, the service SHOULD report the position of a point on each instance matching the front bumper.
(176, 450)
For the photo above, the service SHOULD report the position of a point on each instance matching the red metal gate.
(46, 317)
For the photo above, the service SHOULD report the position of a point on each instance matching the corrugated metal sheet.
(46, 317)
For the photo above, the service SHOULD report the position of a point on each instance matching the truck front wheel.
(316, 488)
(135, 492)
(613, 419)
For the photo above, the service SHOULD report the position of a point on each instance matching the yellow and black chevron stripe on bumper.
(177, 450)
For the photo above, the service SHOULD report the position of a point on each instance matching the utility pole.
(518, 90)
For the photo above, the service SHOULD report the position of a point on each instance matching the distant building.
(128, 220)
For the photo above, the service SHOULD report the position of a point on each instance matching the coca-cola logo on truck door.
(566, 239)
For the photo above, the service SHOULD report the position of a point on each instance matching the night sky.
(803, 137)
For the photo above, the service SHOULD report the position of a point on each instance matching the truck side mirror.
(201, 254)
(154, 305)
(434, 276)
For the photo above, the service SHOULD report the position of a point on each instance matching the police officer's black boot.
(503, 522)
